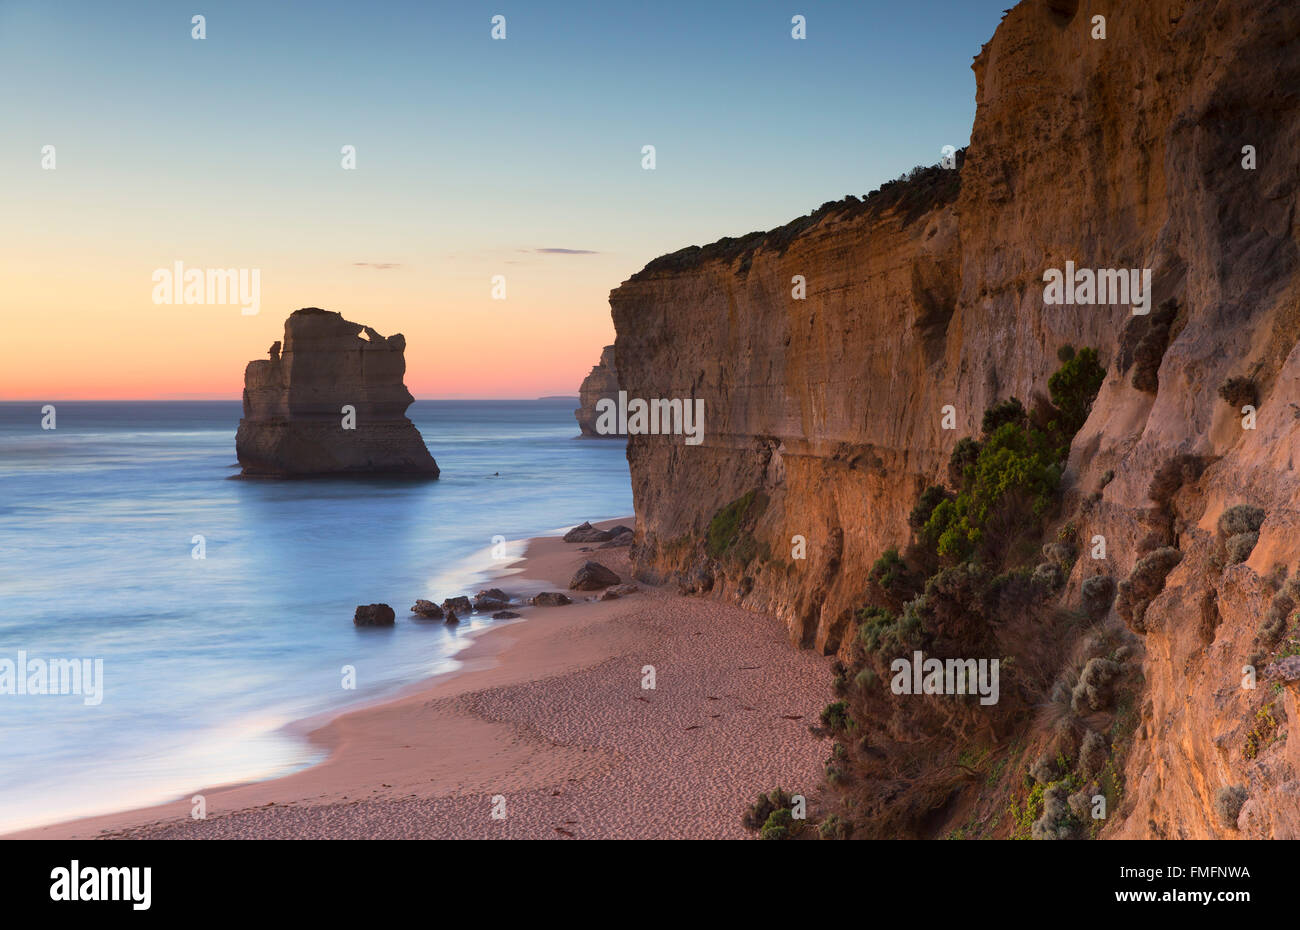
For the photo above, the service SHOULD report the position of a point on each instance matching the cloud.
(378, 266)
(566, 251)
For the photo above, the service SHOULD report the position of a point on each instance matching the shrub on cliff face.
(1239, 547)
(1228, 803)
(1093, 755)
(1098, 594)
(1015, 464)
(889, 573)
(1058, 821)
(1240, 519)
(1096, 686)
(835, 828)
(964, 456)
(1239, 392)
(1073, 389)
(1141, 587)
(1000, 414)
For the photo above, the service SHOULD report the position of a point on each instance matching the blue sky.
(470, 152)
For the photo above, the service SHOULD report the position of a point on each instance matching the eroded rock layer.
(295, 423)
(1122, 152)
(600, 384)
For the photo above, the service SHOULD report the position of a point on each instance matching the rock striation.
(294, 418)
(601, 383)
(1128, 152)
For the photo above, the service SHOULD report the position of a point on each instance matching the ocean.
(205, 660)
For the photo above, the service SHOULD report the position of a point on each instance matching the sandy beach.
(550, 714)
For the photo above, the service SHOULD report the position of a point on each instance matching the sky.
(474, 157)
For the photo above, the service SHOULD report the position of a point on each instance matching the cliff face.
(1123, 152)
(294, 422)
(601, 383)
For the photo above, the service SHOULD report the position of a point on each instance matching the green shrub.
(757, 813)
(778, 826)
(1073, 389)
(964, 456)
(1009, 411)
(835, 716)
(835, 828)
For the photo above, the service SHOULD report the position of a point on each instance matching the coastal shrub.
(1141, 587)
(778, 826)
(1000, 414)
(757, 813)
(1228, 802)
(835, 716)
(1093, 755)
(930, 498)
(1240, 519)
(1015, 466)
(1098, 594)
(1095, 689)
(890, 574)
(1239, 392)
(1073, 388)
(964, 456)
(1065, 353)
(1240, 546)
(835, 827)
(1058, 821)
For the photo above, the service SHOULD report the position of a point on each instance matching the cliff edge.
(600, 384)
(1171, 146)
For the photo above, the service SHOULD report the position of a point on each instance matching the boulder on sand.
(551, 599)
(427, 609)
(374, 615)
(586, 533)
(593, 576)
(619, 590)
(504, 615)
(618, 539)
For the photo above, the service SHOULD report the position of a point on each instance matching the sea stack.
(601, 383)
(330, 401)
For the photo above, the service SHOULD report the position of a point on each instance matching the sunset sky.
(474, 158)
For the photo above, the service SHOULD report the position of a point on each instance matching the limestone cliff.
(601, 383)
(294, 420)
(1122, 152)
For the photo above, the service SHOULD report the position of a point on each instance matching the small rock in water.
(586, 533)
(451, 617)
(374, 615)
(491, 599)
(593, 576)
(551, 599)
(457, 603)
(427, 609)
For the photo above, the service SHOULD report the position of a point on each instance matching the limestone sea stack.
(601, 383)
(295, 423)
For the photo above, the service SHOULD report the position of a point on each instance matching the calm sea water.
(205, 660)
